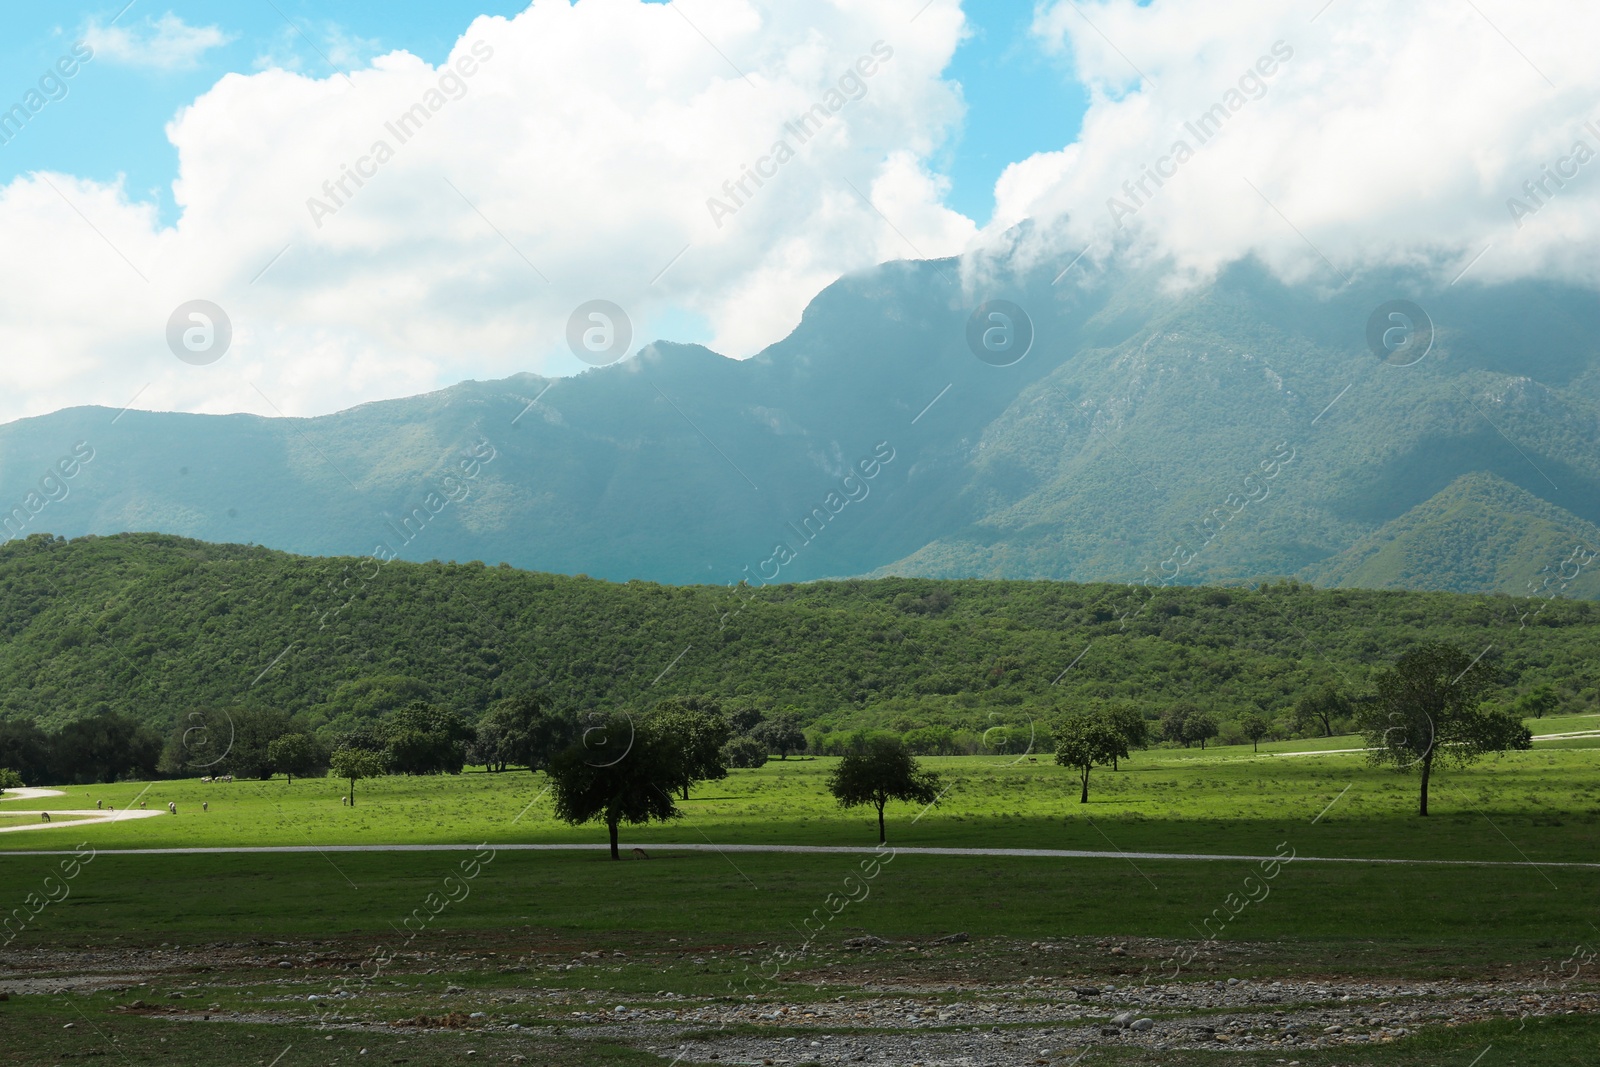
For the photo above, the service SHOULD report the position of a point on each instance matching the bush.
(744, 753)
(10, 779)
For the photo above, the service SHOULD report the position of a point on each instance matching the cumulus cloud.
(1327, 143)
(411, 225)
(165, 43)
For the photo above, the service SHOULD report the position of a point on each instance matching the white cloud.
(165, 43)
(1393, 133)
(588, 140)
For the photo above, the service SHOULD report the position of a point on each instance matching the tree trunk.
(1255, 745)
(1084, 799)
(289, 775)
(612, 826)
(881, 837)
(1427, 771)
(352, 792)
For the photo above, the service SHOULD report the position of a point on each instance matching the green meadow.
(1540, 806)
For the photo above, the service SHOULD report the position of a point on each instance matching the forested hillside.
(151, 626)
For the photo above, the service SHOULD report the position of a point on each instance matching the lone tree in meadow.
(1429, 711)
(354, 763)
(1084, 740)
(618, 772)
(1255, 725)
(881, 772)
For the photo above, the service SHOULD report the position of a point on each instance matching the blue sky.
(113, 118)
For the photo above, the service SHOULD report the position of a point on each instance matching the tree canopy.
(1429, 712)
(1083, 740)
(607, 782)
(881, 772)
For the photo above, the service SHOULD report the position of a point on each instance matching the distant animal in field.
(44, 816)
(639, 854)
(172, 807)
(207, 778)
(1033, 759)
(99, 804)
(141, 805)
(205, 805)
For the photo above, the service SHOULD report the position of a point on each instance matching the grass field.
(519, 943)
(1542, 805)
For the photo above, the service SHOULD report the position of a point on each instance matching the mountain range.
(1132, 430)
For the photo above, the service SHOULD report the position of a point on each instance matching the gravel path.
(1025, 853)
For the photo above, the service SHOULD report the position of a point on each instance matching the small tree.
(520, 731)
(881, 772)
(631, 789)
(698, 736)
(1429, 712)
(781, 734)
(1201, 727)
(1320, 709)
(1537, 702)
(10, 779)
(1174, 723)
(744, 753)
(1084, 740)
(1128, 721)
(354, 763)
(296, 754)
(1256, 726)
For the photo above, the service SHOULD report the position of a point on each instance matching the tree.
(744, 753)
(102, 748)
(744, 718)
(1320, 709)
(881, 772)
(423, 738)
(354, 763)
(1084, 740)
(1256, 726)
(521, 732)
(1429, 711)
(1174, 723)
(10, 779)
(1201, 727)
(296, 754)
(1537, 702)
(25, 749)
(1129, 722)
(593, 785)
(781, 734)
(698, 737)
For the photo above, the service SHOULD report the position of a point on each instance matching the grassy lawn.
(1542, 805)
(692, 922)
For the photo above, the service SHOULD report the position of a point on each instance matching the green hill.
(1474, 534)
(152, 625)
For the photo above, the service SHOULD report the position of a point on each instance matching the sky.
(219, 207)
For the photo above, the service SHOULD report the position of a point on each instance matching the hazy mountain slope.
(1124, 445)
